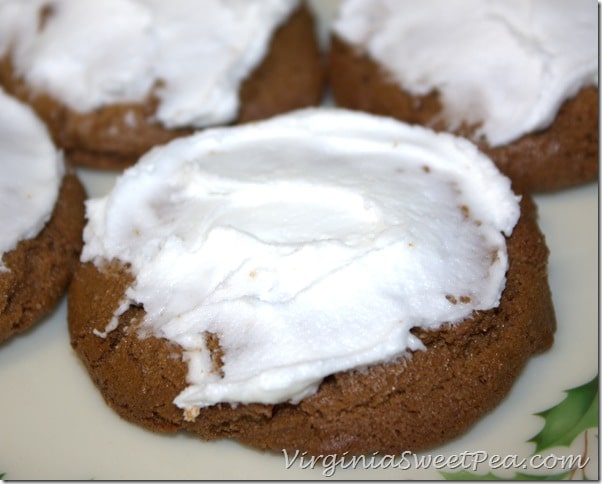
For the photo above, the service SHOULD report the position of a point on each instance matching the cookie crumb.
(191, 413)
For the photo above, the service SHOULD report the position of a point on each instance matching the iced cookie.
(325, 281)
(42, 217)
(114, 78)
(517, 77)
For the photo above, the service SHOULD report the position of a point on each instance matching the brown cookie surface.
(564, 154)
(40, 269)
(414, 403)
(290, 76)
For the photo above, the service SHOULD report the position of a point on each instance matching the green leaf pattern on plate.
(571, 417)
(564, 422)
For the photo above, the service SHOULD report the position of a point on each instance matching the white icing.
(31, 171)
(509, 64)
(310, 244)
(90, 53)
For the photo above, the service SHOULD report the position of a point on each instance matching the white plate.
(55, 425)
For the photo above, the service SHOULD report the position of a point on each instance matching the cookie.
(168, 70)
(42, 215)
(529, 99)
(326, 281)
